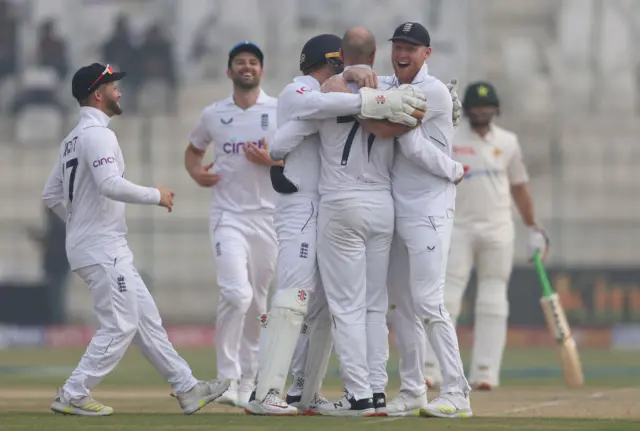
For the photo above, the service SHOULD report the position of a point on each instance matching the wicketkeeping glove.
(457, 106)
(405, 105)
(538, 241)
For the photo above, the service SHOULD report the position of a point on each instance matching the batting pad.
(320, 344)
(278, 339)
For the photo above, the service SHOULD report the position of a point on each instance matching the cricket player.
(87, 189)
(483, 232)
(241, 225)
(300, 300)
(424, 206)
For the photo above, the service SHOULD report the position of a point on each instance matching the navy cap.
(320, 49)
(88, 78)
(246, 46)
(412, 32)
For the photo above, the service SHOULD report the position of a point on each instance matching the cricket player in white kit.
(300, 300)
(483, 231)
(424, 197)
(87, 189)
(242, 232)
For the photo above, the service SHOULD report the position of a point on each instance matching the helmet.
(480, 94)
(321, 49)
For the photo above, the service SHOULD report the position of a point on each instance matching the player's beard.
(246, 84)
(114, 106)
(479, 120)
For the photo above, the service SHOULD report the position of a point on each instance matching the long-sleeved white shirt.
(87, 188)
(423, 171)
(296, 140)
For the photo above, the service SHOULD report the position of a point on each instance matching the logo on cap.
(407, 27)
(483, 91)
(302, 58)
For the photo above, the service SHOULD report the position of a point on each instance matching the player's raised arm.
(102, 146)
(289, 136)
(417, 147)
(53, 193)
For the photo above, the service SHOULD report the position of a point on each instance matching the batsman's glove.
(538, 241)
(457, 105)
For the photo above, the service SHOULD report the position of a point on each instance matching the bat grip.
(542, 275)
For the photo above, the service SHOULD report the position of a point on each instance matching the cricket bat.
(559, 328)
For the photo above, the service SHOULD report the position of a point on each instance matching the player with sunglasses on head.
(87, 189)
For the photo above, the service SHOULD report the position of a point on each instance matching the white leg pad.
(278, 339)
(320, 345)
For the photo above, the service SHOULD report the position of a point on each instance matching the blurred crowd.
(38, 83)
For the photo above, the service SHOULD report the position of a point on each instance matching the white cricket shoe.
(201, 394)
(230, 396)
(406, 404)
(83, 406)
(451, 406)
(317, 401)
(245, 388)
(348, 406)
(272, 405)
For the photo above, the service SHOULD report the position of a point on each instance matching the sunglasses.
(107, 71)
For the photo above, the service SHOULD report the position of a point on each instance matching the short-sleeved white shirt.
(89, 155)
(492, 164)
(243, 186)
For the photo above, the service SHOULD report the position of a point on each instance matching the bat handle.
(542, 275)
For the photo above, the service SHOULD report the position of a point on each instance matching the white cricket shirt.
(352, 161)
(494, 164)
(296, 139)
(419, 192)
(86, 179)
(244, 186)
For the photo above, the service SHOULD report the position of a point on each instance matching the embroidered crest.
(407, 27)
(264, 122)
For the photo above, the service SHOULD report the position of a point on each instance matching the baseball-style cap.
(412, 32)
(88, 78)
(480, 94)
(246, 46)
(320, 49)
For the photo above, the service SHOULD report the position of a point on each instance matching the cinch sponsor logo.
(236, 147)
(103, 161)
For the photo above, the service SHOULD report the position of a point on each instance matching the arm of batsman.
(405, 105)
(457, 106)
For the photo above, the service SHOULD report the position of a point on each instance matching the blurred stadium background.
(567, 72)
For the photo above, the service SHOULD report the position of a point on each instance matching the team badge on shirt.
(496, 151)
(264, 122)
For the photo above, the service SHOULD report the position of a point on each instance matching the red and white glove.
(538, 241)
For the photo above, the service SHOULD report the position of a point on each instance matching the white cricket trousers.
(490, 248)
(126, 313)
(245, 250)
(295, 221)
(419, 256)
(354, 241)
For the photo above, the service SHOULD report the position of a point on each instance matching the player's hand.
(204, 177)
(405, 105)
(335, 84)
(362, 77)
(166, 198)
(538, 241)
(457, 106)
(259, 156)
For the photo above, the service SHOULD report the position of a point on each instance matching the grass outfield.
(532, 397)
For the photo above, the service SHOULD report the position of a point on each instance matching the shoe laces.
(274, 398)
(318, 400)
